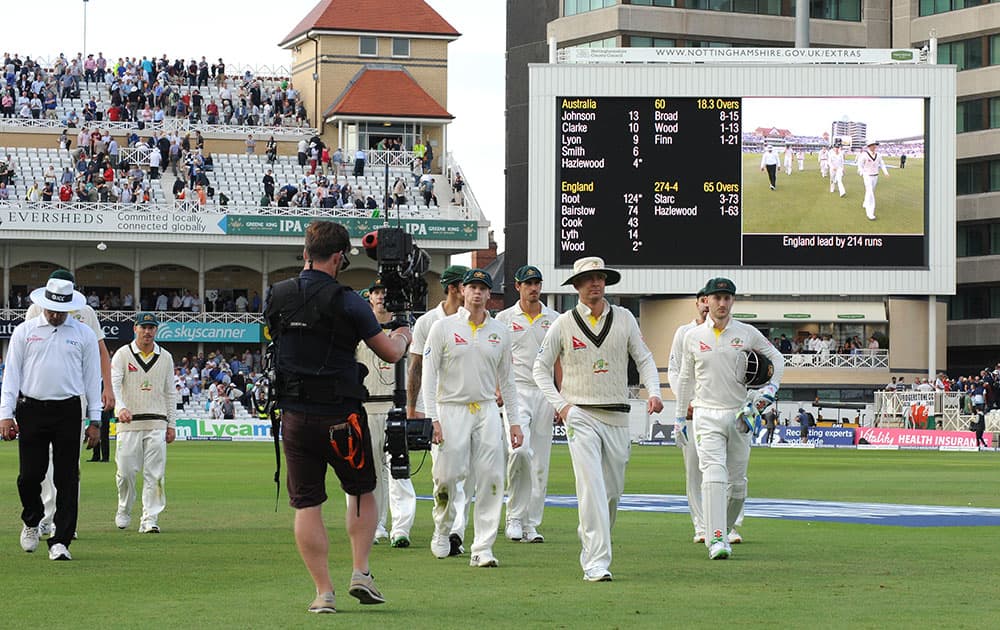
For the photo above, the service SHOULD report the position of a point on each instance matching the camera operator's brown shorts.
(308, 451)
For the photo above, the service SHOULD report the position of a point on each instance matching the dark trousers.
(40, 424)
(102, 452)
(772, 174)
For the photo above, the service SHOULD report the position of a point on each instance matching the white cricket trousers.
(837, 180)
(528, 465)
(724, 452)
(599, 452)
(692, 474)
(471, 449)
(871, 181)
(146, 451)
(394, 497)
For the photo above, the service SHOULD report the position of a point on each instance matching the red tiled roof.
(392, 93)
(378, 16)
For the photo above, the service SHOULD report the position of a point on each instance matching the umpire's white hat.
(58, 295)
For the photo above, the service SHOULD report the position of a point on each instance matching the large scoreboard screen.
(728, 181)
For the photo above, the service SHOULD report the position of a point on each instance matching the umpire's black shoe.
(456, 545)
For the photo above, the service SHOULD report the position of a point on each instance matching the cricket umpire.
(316, 324)
(593, 342)
(712, 381)
(52, 361)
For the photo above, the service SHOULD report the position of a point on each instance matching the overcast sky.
(248, 33)
(886, 117)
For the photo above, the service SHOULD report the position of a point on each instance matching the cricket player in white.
(789, 154)
(467, 357)
(824, 161)
(836, 159)
(392, 496)
(142, 378)
(527, 321)
(692, 469)
(592, 342)
(710, 381)
(869, 163)
(451, 282)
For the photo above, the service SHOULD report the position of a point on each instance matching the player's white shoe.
(597, 575)
(484, 559)
(531, 535)
(380, 533)
(29, 538)
(440, 546)
(698, 538)
(59, 551)
(734, 537)
(46, 529)
(514, 529)
(122, 520)
(720, 549)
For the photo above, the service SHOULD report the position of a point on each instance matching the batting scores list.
(658, 182)
(649, 181)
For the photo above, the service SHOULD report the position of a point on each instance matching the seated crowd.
(145, 91)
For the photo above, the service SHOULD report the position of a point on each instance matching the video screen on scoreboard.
(742, 181)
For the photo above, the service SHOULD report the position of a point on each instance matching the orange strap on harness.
(355, 447)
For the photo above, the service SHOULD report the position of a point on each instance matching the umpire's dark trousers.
(41, 423)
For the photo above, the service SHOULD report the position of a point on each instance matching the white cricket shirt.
(464, 363)
(526, 336)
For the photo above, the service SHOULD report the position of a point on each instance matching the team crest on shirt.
(704, 347)
(493, 338)
(146, 386)
(578, 345)
(600, 366)
(132, 367)
(736, 343)
(459, 341)
(515, 327)
(545, 324)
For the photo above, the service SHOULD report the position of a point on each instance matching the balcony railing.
(14, 314)
(182, 125)
(866, 359)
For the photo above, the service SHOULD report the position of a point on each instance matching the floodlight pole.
(85, 28)
(802, 23)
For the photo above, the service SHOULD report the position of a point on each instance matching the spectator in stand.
(359, 164)
(251, 145)
(272, 150)
(303, 148)
(338, 162)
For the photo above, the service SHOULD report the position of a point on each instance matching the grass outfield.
(226, 559)
(803, 204)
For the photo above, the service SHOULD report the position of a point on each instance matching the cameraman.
(316, 324)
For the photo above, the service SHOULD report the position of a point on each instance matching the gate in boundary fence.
(912, 410)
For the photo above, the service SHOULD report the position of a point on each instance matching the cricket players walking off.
(824, 161)
(869, 163)
(789, 155)
(142, 378)
(528, 466)
(592, 342)
(451, 282)
(836, 158)
(692, 470)
(467, 357)
(723, 416)
(392, 496)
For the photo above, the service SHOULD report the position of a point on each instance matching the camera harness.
(316, 321)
